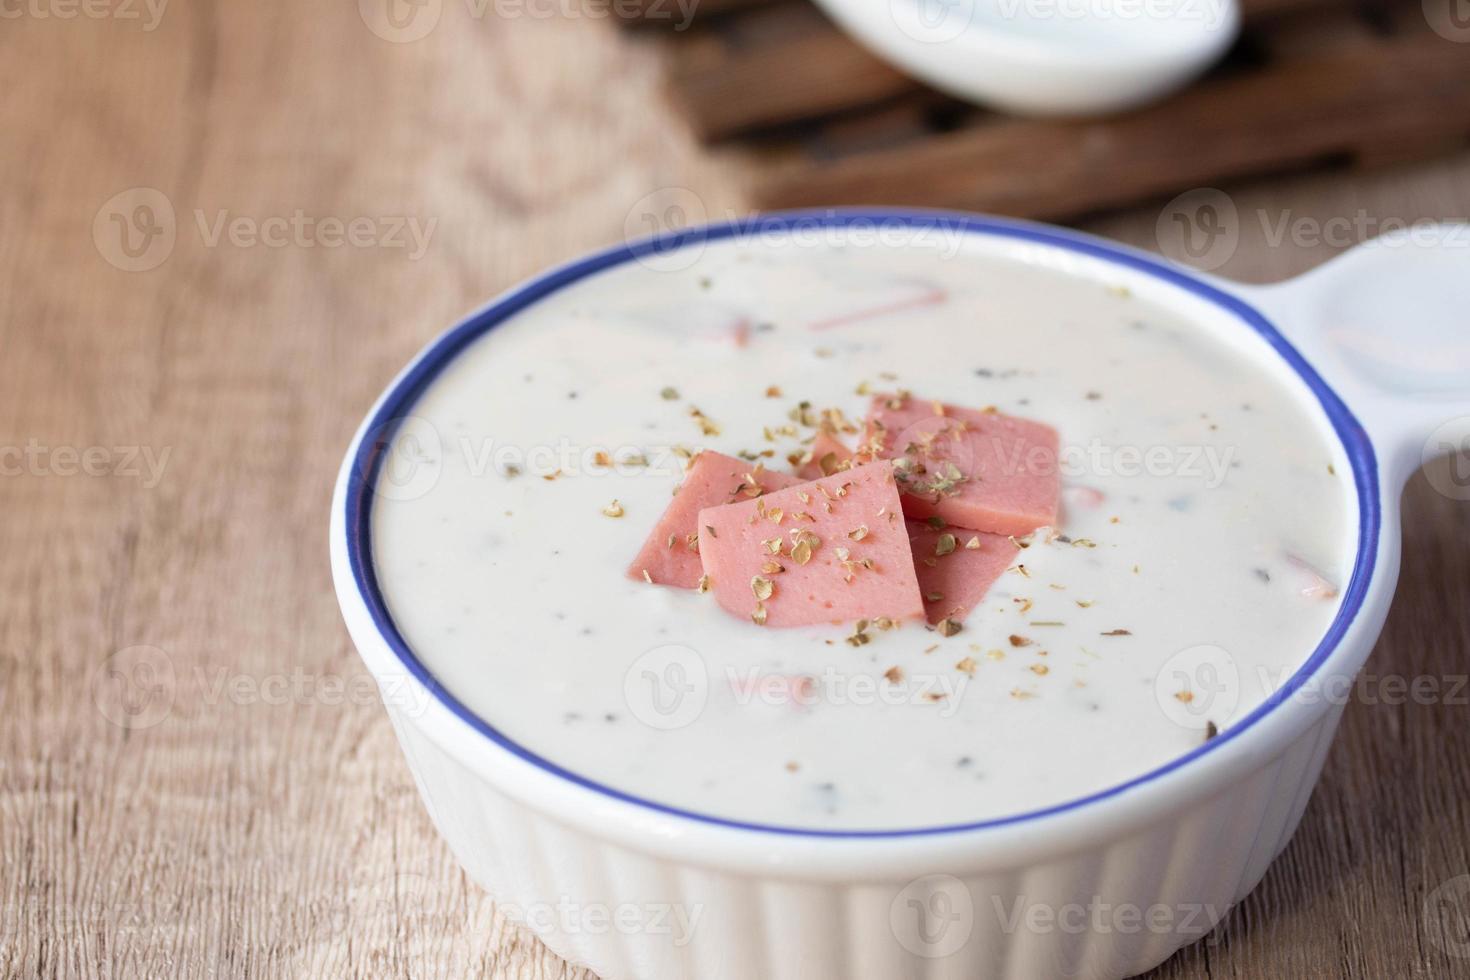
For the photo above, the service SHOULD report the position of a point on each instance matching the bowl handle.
(1388, 325)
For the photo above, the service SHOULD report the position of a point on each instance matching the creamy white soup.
(1205, 530)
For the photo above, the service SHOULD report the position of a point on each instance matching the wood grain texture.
(774, 66)
(262, 823)
(766, 64)
(1342, 103)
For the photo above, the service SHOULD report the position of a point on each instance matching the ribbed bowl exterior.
(1112, 910)
(1108, 886)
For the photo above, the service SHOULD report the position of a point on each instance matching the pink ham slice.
(860, 566)
(953, 584)
(975, 469)
(712, 479)
(826, 449)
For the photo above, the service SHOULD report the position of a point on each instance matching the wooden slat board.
(826, 122)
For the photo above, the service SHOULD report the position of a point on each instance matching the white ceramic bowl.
(1046, 57)
(1106, 886)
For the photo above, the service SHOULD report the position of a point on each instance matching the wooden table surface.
(169, 438)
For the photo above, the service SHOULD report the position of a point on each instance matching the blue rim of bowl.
(398, 402)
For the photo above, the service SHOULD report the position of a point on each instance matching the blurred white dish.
(1046, 57)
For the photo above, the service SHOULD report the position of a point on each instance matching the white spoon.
(1046, 57)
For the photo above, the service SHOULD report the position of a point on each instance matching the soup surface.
(1204, 533)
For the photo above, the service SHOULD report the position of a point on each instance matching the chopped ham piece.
(1314, 584)
(823, 457)
(975, 469)
(833, 550)
(954, 576)
(713, 478)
